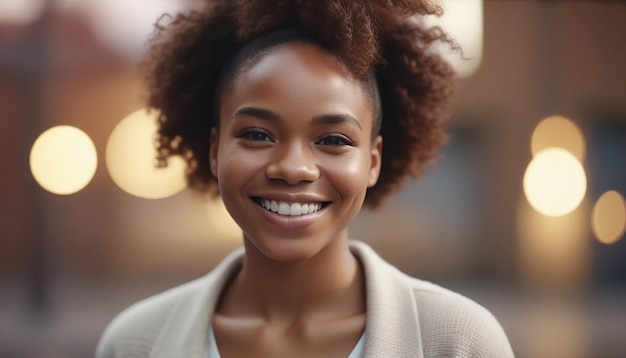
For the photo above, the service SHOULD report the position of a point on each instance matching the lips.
(289, 208)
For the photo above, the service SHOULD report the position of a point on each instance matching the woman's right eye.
(255, 134)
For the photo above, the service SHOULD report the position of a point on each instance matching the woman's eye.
(336, 140)
(255, 135)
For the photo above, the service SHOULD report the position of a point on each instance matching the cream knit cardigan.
(406, 317)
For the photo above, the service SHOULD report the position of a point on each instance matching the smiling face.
(294, 154)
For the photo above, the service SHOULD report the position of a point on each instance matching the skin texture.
(295, 127)
(189, 52)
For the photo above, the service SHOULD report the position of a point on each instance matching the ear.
(375, 161)
(213, 146)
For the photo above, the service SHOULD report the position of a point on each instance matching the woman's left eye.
(336, 140)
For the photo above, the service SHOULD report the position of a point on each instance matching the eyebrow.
(337, 118)
(320, 119)
(256, 112)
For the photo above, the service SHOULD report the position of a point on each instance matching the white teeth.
(293, 209)
(283, 208)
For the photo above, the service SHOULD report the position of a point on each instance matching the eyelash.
(250, 134)
(343, 140)
(253, 134)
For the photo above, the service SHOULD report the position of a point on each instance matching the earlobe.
(214, 142)
(376, 158)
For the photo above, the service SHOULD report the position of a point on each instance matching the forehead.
(298, 58)
(301, 68)
(299, 80)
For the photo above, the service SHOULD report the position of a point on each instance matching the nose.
(293, 163)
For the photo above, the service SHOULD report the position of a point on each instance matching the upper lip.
(291, 197)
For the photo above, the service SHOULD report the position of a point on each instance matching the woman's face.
(294, 155)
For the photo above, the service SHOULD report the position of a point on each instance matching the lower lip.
(289, 221)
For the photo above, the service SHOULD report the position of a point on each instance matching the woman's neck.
(327, 286)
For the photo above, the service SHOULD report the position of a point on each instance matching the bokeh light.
(608, 218)
(20, 12)
(125, 25)
(63, 160)
(555, 182)
(131, 159)
(558, 131)
(463, 21)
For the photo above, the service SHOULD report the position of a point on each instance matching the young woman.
(282, 107)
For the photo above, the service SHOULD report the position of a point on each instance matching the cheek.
(235, 168)
(350, 176)
(228, 164)
(234, 174)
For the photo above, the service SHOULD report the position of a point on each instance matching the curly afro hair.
(388, 38)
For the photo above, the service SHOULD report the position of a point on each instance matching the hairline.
(250, 53)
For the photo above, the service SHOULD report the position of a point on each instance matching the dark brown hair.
(387, 38)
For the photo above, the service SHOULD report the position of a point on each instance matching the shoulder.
(411, 315)
(172, 322)
(135, 330)
(453, 325)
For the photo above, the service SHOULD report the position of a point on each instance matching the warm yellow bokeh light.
(557, 131)
(463, 21)
(63, 160)
(555, 182)
(608, 218)
(131, 158)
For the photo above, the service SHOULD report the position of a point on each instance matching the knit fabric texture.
(406, 317)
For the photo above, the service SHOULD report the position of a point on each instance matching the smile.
(289, 209)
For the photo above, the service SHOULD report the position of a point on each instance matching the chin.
(288, 250)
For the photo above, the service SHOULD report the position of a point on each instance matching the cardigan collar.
(392, 324)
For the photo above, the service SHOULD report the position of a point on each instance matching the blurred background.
(524, 212)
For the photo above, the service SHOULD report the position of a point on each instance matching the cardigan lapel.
(185, 333)
(392, 324)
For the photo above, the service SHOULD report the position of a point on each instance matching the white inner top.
(215, 353)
